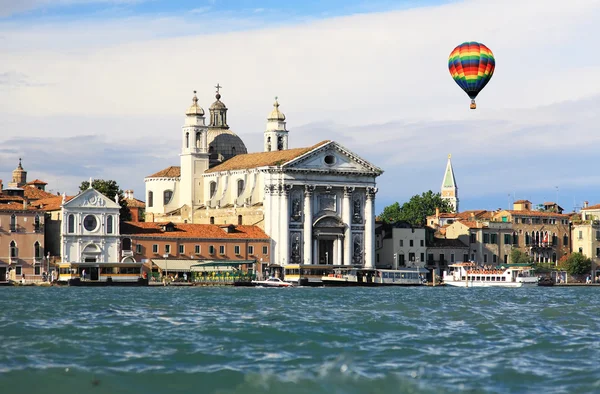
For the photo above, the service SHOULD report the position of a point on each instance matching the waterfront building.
(315, 203)
(399, 245)
(490, 243)
(442, 219)
(444, 251)
(543, 235)
(177, 247)
(449, 189)
(585, 234)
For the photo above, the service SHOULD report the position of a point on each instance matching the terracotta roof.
(521, 201)
(209, 231)
(169, 172)
(36, 182)
(135, 203)
(470, 223)
(15, 206)
(33, 193)
(597, 206)
(7, 198)
(264, 159)
(468, 214)
(536, 213)
(51, 203)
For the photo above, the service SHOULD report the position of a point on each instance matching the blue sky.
(98, 89)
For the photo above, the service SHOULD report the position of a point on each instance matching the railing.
(126, 253)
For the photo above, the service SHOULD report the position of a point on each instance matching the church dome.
(218, 105)
(276, 114)
(223, 144)
(195, 109)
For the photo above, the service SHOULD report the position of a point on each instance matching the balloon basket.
(473, 105)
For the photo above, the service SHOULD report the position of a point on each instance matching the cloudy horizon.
(99, 89)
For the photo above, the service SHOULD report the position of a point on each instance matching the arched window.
(212, 220)
(13, 222)
(126, 245)
(279, 143)
(150, 199)
(566, 240)
(240, 187)
(527, 240)
(109, 224)
(36, 223)
(187, 140)
(554, 257)
(71, 224)
(268, 144)
(198, 140)
(167, 195)
(13, 250)
(213, 189)
(515, 239)
(239, 220)
(37, 250)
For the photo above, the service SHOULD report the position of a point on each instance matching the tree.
(416, 210)
(578, 264)
(109, 189)
(518, 257)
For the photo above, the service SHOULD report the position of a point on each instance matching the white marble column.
(347, 219)
(340, 243)
(370, 228)
(284, 229)
(308, 217)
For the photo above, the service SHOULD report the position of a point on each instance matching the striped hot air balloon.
(471, 65)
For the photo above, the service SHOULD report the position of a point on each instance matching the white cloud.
(378, 83)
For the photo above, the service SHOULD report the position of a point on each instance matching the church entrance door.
(326, 251)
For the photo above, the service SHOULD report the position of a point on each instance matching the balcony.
(127, 253)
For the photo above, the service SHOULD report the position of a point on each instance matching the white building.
(400, 245)
(90, 229)
(316, 203)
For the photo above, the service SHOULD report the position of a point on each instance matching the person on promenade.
(83, 274)
(588, 280)
(23, 279)
(7, 275)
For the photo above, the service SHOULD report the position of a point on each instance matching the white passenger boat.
(271, 282)
(375, 277)
(470, 275)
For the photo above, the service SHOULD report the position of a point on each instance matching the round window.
(90, 222)
(330, 159)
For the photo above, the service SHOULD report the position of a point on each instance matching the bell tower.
(449, 190)
(276, 136)
(194, 155)
(19, 176)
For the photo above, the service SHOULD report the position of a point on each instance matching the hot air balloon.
(472, 65)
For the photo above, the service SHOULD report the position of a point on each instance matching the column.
(370, 228)
(284, 230)
(308, 217)
(340, 242)
(347, 219)
(269, 214)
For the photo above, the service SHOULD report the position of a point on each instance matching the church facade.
(316, 203)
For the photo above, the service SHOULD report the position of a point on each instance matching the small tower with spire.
(218, 112)
(449, 189)
(276, 135)
(19, 176)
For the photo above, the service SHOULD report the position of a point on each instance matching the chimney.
(25, 204)
(437, 213)
(585, 203)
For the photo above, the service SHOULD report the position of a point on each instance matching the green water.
(301, 340)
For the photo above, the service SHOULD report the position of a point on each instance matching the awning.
(174, 265)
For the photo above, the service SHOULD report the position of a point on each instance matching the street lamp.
(166, 256)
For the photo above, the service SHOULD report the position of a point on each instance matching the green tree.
(518, 257)
(416, 210)
(578, 264)
(109, 189)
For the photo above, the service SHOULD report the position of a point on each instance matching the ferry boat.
(307, 274)
(468, 274)
(102, 274)
(351, 276)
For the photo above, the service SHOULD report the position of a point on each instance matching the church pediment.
(334, 158)
(91, 198)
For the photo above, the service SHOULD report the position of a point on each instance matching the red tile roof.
(263, 159)
(33, 193)
(169, 172)
(536, 213)
(50, 204)
(597, 206)
(521, 201)
(206, 231)
(135, 203)
(36, 182)
(16, 206)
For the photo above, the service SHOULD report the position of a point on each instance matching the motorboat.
(468, 274)
(271, 282)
